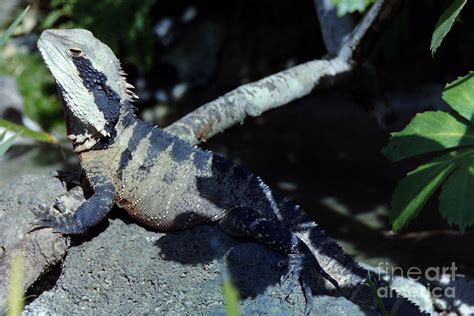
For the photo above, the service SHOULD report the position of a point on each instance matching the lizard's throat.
(93, 115)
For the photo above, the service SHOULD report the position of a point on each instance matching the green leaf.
(6, 144)
(415, 189)
(376, 295)
(52, 18)
(37, 86)
(231, 295)
(39, 136)
(16, 298)
(9, 31)
(429, 132)
(456, 198)
(459, 94)
(350, 6)
(445, 22)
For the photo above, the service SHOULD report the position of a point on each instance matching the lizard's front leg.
(90, 213)
(245, 222)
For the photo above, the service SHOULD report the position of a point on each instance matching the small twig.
(363, 37)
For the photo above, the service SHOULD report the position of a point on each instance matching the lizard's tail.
(351, 277)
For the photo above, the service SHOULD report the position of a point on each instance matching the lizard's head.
(91, 82)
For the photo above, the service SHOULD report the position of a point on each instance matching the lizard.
(158, 178)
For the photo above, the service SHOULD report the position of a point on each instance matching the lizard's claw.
(61, 205)
(49, 217)
(45, 216)
(298, 266)
(296, 275)
(291, 278)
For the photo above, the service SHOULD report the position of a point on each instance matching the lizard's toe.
(297, 274)
(291, 278)
(294, 276)
(49, 217)
(61, 205)
(44, 216)
(308, 294)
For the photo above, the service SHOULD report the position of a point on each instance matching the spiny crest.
(129, 88)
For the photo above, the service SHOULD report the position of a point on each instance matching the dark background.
(323, 150)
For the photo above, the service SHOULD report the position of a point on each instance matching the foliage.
(130, 20)
(429, 132)
(5, 144)
(350, 6)
(460, 96)
(231, 295)
(39, 136)
(433, 132)
(378, 300)
(445, 22)
(37, 88)
(456, 199)
(16, 299)
(9, 31)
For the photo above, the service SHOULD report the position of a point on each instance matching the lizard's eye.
(75, 52)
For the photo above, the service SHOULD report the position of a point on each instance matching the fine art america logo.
(438, 280)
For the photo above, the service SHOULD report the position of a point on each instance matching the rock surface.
(40, 249)
(126, 268)
(122, 267)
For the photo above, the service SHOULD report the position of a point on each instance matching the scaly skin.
(161, 180)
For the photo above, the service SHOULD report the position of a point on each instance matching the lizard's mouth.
(86, 115)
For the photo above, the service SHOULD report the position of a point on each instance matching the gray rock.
(39, 249)
(123, 267)
(126, 268)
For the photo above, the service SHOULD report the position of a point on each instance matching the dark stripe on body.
(140, 131)
(181, 150)
(106, 99)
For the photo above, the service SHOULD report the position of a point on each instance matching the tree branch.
(281, 88)
(255, 98)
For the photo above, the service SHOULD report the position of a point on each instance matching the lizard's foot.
(291, 277)
(297, 273)
(47, 216)
(61, 205)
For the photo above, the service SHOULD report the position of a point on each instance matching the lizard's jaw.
(91, 88)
